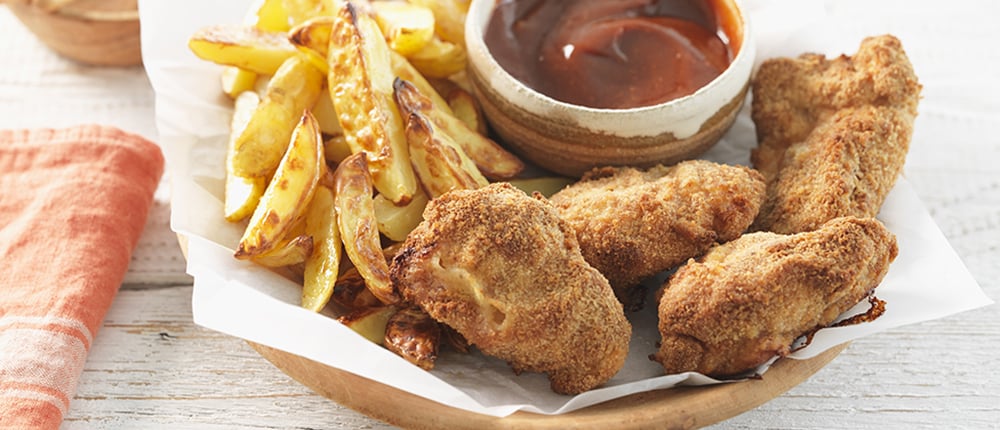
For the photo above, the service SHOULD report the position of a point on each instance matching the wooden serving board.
(681, 408)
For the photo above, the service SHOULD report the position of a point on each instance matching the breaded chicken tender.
(833, 134)
(504, 271)
(633, 224)
(747, 300)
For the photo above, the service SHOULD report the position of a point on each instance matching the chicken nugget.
(833, 134)
(633, 224)
(505, 272)
(748, 300)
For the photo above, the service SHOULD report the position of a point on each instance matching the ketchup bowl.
(574, 110)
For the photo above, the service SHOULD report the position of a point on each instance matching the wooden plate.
(681, 407)
(684, 407)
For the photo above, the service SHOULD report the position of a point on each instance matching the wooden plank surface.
(151, 367)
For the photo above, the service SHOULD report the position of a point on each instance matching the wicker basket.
(98, 32)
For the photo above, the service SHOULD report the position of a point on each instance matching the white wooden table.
(151, 367)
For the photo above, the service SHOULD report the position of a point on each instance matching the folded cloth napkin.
(73, 203)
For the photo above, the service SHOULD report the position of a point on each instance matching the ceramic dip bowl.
(571, 139)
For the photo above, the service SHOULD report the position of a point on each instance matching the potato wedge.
(323, 265)
(360, 84)
(326, 115)
(359, 227)
(312, 38)
(406, 26)
(236, 80)
(546, 186)
(413, 335)
(405, 71)
(289, 192)
(439, 59)
(241, 193)
(351, 293)
(467, 109)
(493, 161)
(287, 253)
(369, 322)
(302, 10)
(395, 222)
(272, 16)
(245, 47)
(440, 163)
(449, 18)
(292, 90)
(337, 149)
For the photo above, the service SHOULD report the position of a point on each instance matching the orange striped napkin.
(73, 203)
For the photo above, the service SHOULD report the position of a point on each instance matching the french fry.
(272, 16)
(289, 192)
(493, 161)
(359, 227)
(546, 186)
(449, 18)
(395, 222)
(323, 265)
(351, 293)
(360, 84)
(413, 335)
(439, 59)
(407, 27)
(369, 322)
(287, 253)
(241, 193)
(440, 164)
(293, 89)
(467, 109)
(245, 47)
(236, 80)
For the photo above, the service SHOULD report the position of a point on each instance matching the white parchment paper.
(250, 302)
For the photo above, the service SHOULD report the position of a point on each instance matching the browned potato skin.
(358, 225)
(413, 335)
(351, 293)
(492, 160)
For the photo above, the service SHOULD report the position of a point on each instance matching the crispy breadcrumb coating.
(633, 224)
(747, 300)
(504, 271)
(833, 134)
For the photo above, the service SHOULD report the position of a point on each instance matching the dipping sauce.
(612, 54)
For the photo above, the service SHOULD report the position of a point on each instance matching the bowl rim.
(696, 108)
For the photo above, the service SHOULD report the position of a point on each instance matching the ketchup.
(612, 54)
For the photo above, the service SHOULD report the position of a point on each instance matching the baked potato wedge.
(246, 47)
(441, 165)
(241, 193)
(395, 222)
(289, 192)
(492, 160)
(293, 89)
(369, 322)
(287, 253)
(413, 335)
(323, 265)
(407, 27)
(351, 293)
(359, 227)
(360, 84)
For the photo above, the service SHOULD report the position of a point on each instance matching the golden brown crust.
(748, 300)
(833, 133)
(633, 224)
(504, 271)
